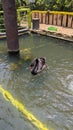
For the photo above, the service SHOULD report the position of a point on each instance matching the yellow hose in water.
(7, 95)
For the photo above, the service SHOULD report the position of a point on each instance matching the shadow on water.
(48, 95)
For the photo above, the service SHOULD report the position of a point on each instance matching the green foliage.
(69, 5)
(21, 3)
(58, 5)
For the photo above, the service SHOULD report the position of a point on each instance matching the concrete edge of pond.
(41, 32)
(52, 34)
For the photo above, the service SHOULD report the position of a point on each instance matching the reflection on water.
(48, 95)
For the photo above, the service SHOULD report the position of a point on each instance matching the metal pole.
(10, 17)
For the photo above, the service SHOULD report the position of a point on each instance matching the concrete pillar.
(10, 17)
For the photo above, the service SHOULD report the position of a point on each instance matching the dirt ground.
(60, 30)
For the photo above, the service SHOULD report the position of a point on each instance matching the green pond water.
(48, 95)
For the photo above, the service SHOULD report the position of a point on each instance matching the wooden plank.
(37, 15)
(50, 19)
(55, 19)
(47, 18)
(32, 16)
(72, 22)
(69, 21)
(64, 21)
(40, 17)
(44, 18)
(59, 19)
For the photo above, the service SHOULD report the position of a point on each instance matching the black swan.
(37, 65)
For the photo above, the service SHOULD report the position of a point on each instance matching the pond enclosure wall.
(23, 19)
(64, 19)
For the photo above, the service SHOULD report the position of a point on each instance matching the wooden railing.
(64, 19)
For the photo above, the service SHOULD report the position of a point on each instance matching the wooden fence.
(64, 19)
